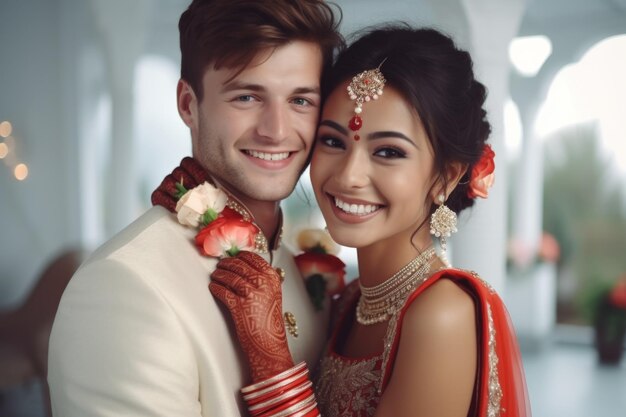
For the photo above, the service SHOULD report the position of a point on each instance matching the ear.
(453, 174)
(187, 104)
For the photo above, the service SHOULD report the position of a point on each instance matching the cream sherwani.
(138, 333)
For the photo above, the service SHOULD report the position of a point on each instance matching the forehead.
(390, 110)
(297, 64)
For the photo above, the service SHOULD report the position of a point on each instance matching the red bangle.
(274, 379)
(308, 411)
(279, 401)
(303, 402)
(274, 392)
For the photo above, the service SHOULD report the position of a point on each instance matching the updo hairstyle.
(437, 79)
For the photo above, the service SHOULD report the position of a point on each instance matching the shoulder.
(443, 307)
(153, 225)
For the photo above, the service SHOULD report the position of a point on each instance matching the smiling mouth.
(266, 156)
(356, 209)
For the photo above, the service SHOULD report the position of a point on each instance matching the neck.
(266, 216)
(379, 262)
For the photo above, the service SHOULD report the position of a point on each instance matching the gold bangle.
(273, 379)
(308, 403)
(287, 395)
(280, 384)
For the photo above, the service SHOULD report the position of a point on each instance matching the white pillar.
(480, 244)
(123, 26)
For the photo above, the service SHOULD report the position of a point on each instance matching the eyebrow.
(371, 136)
(238, 85)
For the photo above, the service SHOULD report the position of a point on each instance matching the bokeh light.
(5, 129)
(21, 172)
(4, 150)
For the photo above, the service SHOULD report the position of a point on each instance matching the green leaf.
(180, 190)
(209, 216)
(233, 251)
(316, 286)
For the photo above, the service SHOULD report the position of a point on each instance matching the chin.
(346, 237)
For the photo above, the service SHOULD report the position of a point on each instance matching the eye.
(332, 142)
(246, 98)
(390, 153)
(301, 101)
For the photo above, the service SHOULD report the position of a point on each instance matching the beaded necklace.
(380, 302)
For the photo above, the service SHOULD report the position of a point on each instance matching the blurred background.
(88, 128)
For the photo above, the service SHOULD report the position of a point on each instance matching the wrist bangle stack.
(288, 394)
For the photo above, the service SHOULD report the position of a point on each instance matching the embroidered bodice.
(352, 387)
(349, 386)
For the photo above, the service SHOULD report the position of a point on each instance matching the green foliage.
(584, 209)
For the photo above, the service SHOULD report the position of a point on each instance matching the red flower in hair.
(482, 174)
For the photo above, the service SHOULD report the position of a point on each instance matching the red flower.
(483, 176)
(227, 235)
(617, 296)
(329, 267)
(549, 249)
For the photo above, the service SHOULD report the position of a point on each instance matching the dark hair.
(230, 33)
(437, 79)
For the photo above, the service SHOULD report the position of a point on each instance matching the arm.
(117, 349)
(435, 369)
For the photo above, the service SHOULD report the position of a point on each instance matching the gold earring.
(442, 225)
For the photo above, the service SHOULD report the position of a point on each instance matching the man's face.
(253, 133)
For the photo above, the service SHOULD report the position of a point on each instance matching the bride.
(400, 151)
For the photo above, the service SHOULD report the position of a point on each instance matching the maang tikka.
(442, 225)
(364, 86)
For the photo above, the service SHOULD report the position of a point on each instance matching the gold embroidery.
(348, 387)
(291, 324)
(495, 391)
(485, 283)
(260, 241)
(390, 335)
(392, 329)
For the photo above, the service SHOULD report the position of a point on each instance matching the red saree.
(353, 386)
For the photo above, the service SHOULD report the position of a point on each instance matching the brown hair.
(230, 33)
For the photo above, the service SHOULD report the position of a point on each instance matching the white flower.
(194, 203)
(311, 238)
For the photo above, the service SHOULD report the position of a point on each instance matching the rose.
(483, 176)
(200, 205)
(331, 268)
(323, 274)
(226, 236)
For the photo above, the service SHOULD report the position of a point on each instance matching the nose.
(274, 122)
(353, 169)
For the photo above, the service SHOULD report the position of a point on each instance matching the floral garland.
(322, 271)
(223, 231)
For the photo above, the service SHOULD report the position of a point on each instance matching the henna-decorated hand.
(250, 288)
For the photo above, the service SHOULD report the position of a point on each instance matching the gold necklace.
(378, 303)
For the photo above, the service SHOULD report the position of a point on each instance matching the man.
(137, 331)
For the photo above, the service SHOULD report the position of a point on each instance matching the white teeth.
(269, 156)
(359, 209)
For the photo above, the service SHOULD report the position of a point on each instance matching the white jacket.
(138, 333)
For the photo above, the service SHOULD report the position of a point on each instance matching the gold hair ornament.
(365, 86)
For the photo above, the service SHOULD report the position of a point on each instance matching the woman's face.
(376, 189)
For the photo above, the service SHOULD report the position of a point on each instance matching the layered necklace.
(380, 302)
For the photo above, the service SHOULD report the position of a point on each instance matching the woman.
(399, 153)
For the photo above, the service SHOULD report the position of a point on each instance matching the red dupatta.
(500, 390)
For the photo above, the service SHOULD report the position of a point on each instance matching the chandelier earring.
(442, 225)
